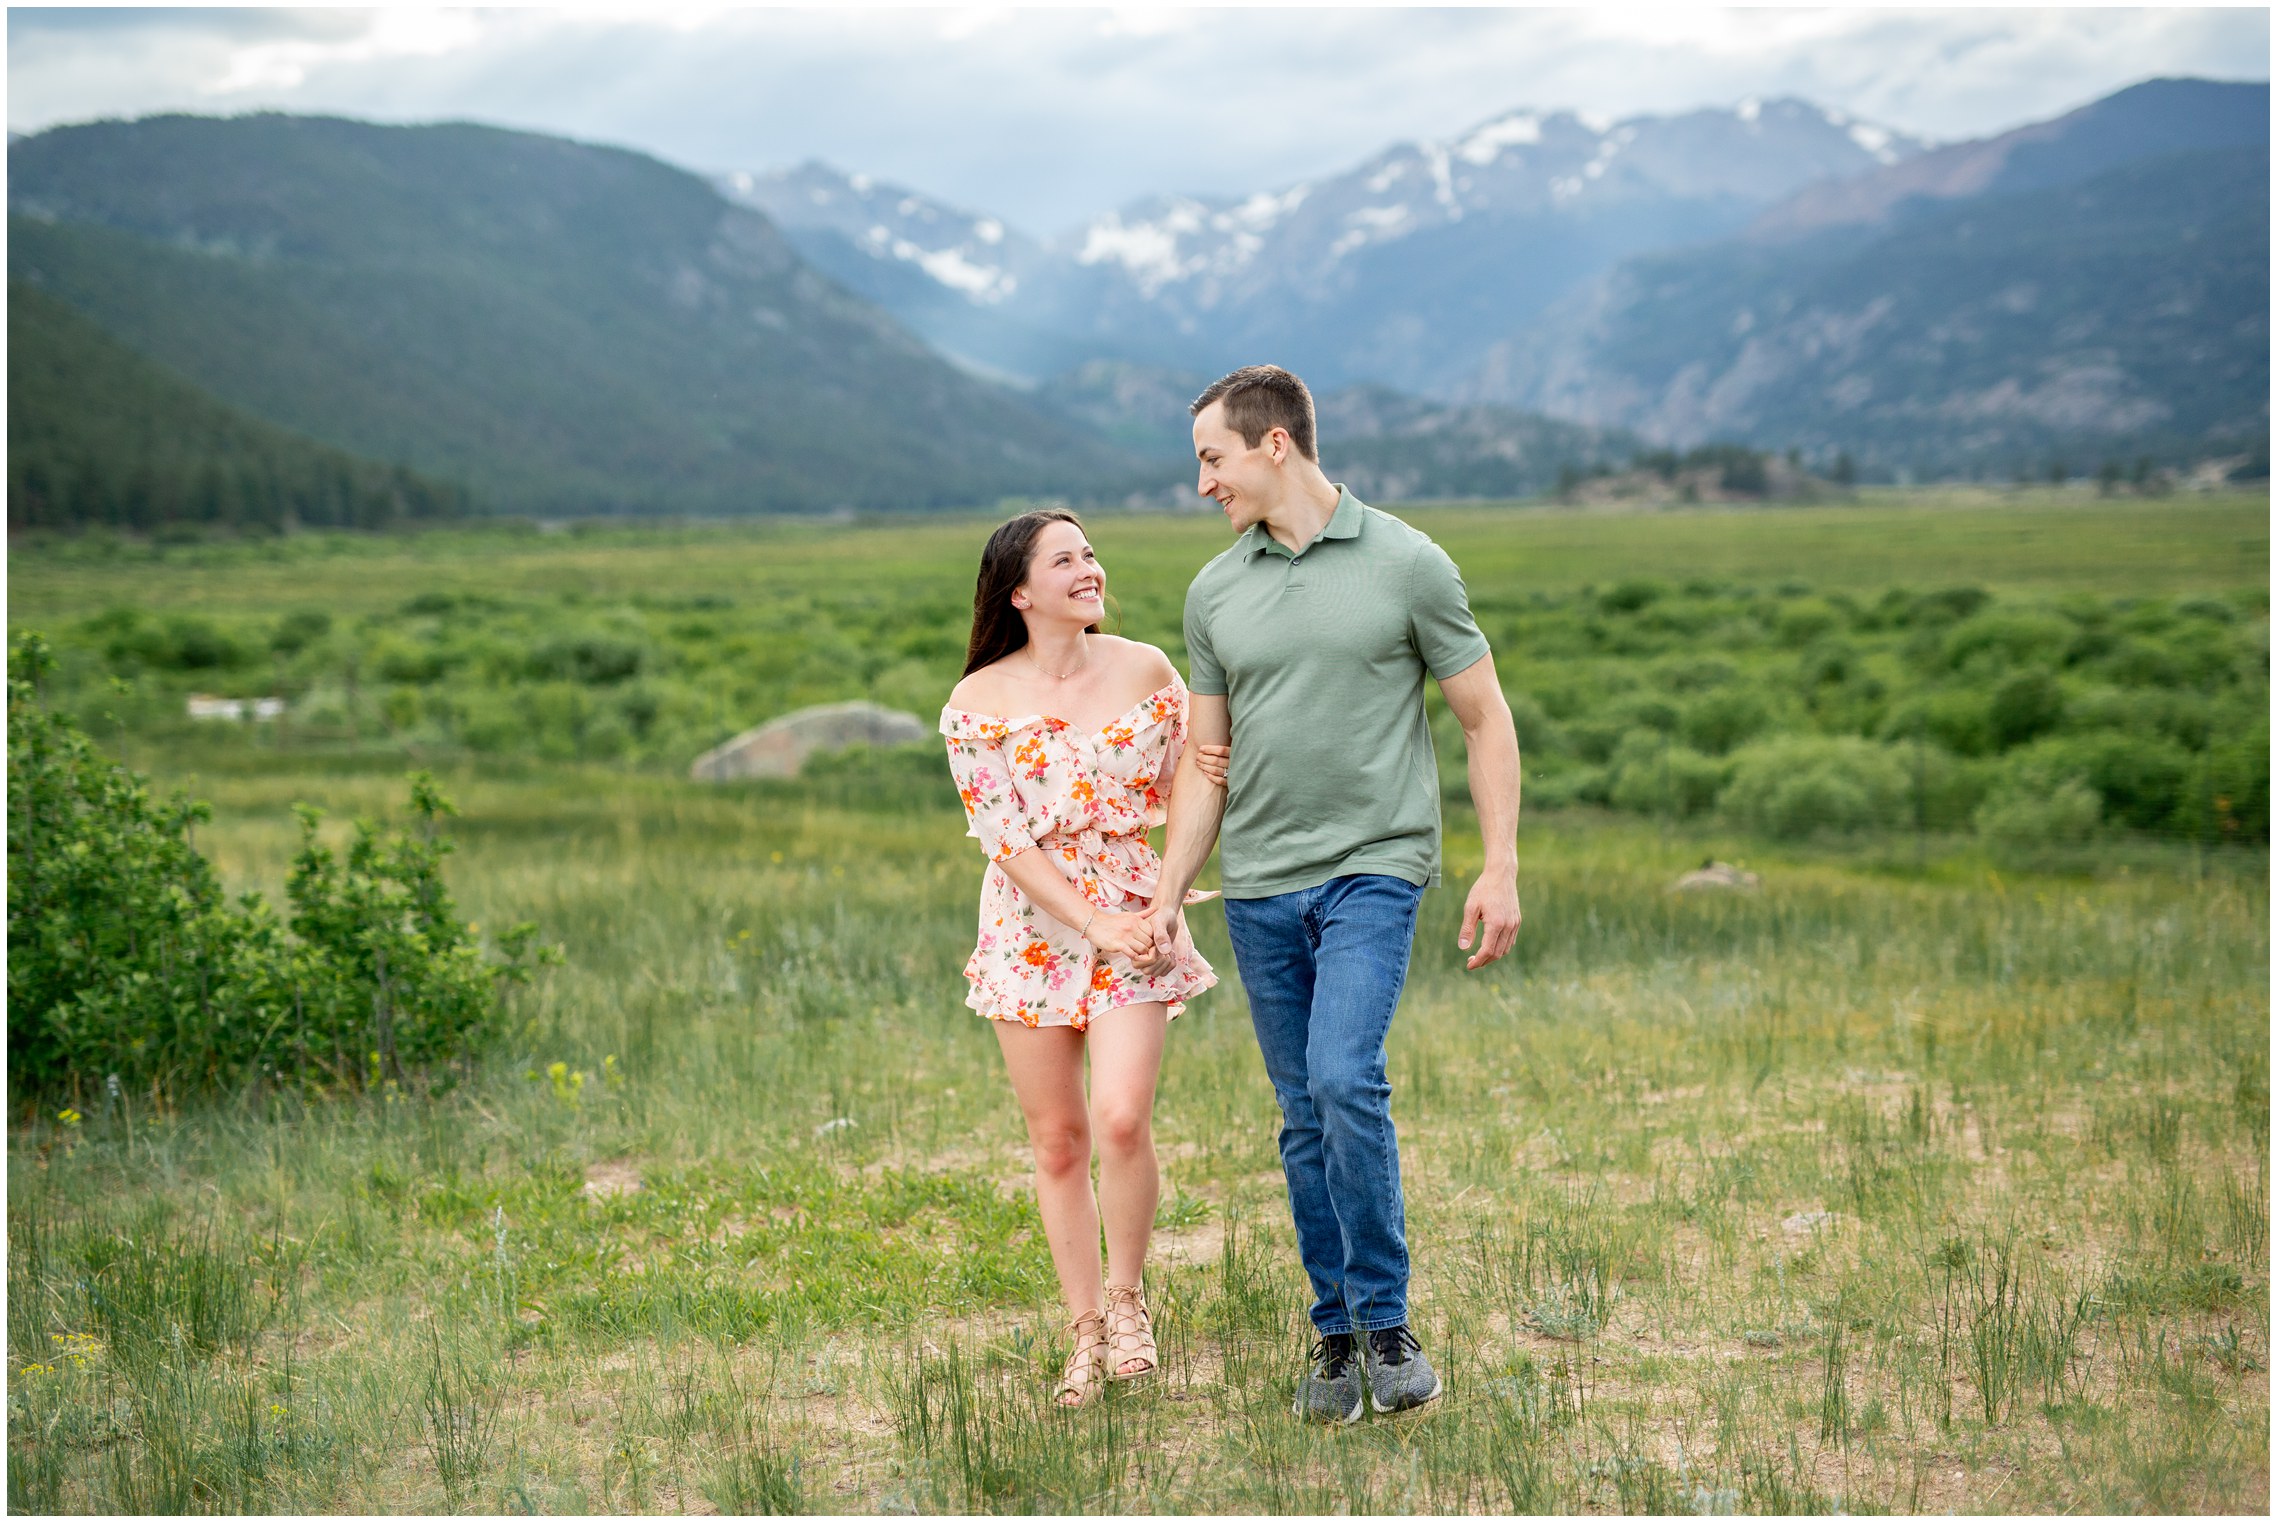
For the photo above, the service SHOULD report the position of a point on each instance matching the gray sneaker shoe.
(1329, 1392)
(1398, 1375)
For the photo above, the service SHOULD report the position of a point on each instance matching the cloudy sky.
(1047, 117)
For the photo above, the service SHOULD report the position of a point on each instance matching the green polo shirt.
(1321, 655)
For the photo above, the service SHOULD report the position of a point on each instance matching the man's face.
(1243, 479)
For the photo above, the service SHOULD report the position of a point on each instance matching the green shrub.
(2021, 826)
(1718, 721)
(2024, 707)
(1538, 733)
(1630, 596)
(2001, 640)
(126, 960)
(1652, 776)
(591, 658)
(1793, 786)
(1957, 719)
(2143, 780)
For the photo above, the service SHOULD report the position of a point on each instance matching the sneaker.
(1399, 1377)
(1329, 1392)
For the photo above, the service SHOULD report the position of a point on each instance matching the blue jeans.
(1323, 968)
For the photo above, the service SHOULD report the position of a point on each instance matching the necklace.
(1059, 676)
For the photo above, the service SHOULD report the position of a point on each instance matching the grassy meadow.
(1913, 1181)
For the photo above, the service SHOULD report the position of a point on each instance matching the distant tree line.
(99, 435)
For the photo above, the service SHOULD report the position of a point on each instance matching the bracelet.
(1094, 915)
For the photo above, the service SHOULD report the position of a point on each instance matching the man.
(1308, 642)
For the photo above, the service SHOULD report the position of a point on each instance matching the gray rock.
(781, 746)
(1717, 875)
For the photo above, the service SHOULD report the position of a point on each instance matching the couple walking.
(1299, 745)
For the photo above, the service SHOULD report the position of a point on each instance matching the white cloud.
(1048, 117)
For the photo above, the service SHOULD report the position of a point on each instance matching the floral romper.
(1087, 800)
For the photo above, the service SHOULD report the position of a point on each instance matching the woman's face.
(1065, 580)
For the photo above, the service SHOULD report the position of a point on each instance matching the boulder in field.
(1714, 875)
(781, 746)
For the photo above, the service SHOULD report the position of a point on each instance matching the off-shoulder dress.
(1087, 799)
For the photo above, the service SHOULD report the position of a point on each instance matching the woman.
(1064, 741)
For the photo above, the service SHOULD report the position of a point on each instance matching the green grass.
(1905, 1183)
(1878, 1188)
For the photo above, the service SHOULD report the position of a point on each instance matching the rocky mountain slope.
(1399, 270)
(562, 328)
(2076, 291)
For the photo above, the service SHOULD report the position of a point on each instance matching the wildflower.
(68, 1116)
(775, 857)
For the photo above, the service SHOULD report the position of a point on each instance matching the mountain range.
(2096, 287)
(1398, 271)
(559, 328)
(455, 314)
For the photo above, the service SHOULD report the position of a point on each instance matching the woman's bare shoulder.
(1143, 661)
(980, 692)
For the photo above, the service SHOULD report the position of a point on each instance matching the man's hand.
(1163, 922)
(1492, 909)
(1213, 760)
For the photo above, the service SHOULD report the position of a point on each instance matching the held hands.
(1128, 936)
(1492, 909)
(1213, 761)
(1162, 922)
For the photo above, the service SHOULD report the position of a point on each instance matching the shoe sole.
(1438, 1384)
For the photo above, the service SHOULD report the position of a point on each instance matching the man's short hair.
(1260, 398)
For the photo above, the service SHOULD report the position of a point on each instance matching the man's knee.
(1345, 1093)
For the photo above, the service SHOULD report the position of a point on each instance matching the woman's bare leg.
(1046, 1066)
(1126, 1060)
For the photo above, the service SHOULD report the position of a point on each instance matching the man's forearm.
(1197, 809)
(1491, 758)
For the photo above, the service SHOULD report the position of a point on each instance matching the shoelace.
(1331, 1355)
(1393, 1345)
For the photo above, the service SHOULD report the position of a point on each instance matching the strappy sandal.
(1130, 1334)
(1087, 1366)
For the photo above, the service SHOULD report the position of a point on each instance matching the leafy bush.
(2002, 640)
(2024, 707)
(2021, 826)
(126, 960)
(1792, 786)
(1718, 721)
(1652, 776)
(2143, 780)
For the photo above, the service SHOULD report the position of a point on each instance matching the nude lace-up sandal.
(1086, 1370)
(1130, 1334)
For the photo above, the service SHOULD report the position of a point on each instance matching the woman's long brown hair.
(997, 628)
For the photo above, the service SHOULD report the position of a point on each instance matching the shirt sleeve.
(984, 784)
(1439, 615)
(1203, 674)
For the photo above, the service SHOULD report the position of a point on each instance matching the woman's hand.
(1166, 922)
(1129, 937)
(1213, 760)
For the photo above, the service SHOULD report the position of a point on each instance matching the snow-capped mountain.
(1523, 163)
(1397, 270)
(975, 256)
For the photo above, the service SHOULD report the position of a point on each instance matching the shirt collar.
(1344, 523)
